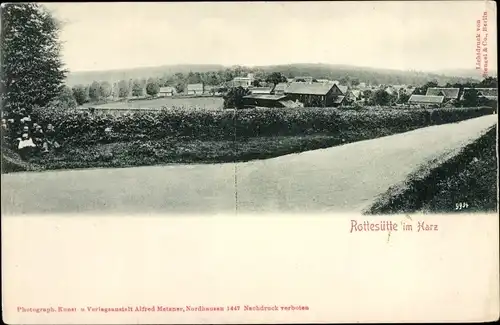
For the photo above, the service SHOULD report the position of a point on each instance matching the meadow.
(208, 103)
(468, 178)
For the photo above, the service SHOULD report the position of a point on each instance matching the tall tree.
(122, 89)
(64, 99)
(345, 80)
(275, 78)
(471, 98)
(81, 94)
(95, 91)
(423, 90)
(116, 91)
(489, 82)
(381, 97)
(32, 72)
(234, 97)
(105, 89)
(137, 89)
(152, 87)
(256, 82)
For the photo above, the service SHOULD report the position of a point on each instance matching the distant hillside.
(365, 74)
(334, 72)
(466, 73)
(87, 77)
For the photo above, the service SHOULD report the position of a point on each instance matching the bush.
(84, 127)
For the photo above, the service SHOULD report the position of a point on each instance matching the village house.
(347, 93)
(449, 94)
(356, 94)
(339, 101)
(167, 92)
(488, 93)
(343, 89)
(426, 101)
(211, 90)
(194, 89)
(279, 89)
(244, 82)
(398, 90)
(391, 90)
(314, 94)
(261, 90)
(264, 100)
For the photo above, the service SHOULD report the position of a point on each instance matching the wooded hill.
(319, 71)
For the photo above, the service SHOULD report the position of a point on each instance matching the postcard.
(249, 162)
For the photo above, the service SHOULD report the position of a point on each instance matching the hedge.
(78, 126)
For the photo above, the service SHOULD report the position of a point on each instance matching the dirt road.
(344, 178)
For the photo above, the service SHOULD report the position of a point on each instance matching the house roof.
(309, 89)
(167, 89)
(356, 93)
(195, 86)
(343, 89)
(390, 90)
(426, 99)
(487, 92)
(281, 86)
(409, 90)
(339, 99)
(265, 96)
(261, 90)
(447, 92)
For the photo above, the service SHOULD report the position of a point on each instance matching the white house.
(166, 92)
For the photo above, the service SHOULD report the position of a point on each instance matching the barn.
(314, 94)
(447, 93)
(194, 89)
(426, 100)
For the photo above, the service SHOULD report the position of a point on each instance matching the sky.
(414, 35)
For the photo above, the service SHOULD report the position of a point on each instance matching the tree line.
(99, 91)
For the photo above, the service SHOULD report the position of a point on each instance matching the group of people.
(31, 137)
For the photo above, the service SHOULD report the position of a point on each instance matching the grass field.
(467, 179)
(209, 103)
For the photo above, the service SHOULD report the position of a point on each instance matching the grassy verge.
(467, 177)
(185, 151)
(11, 162)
